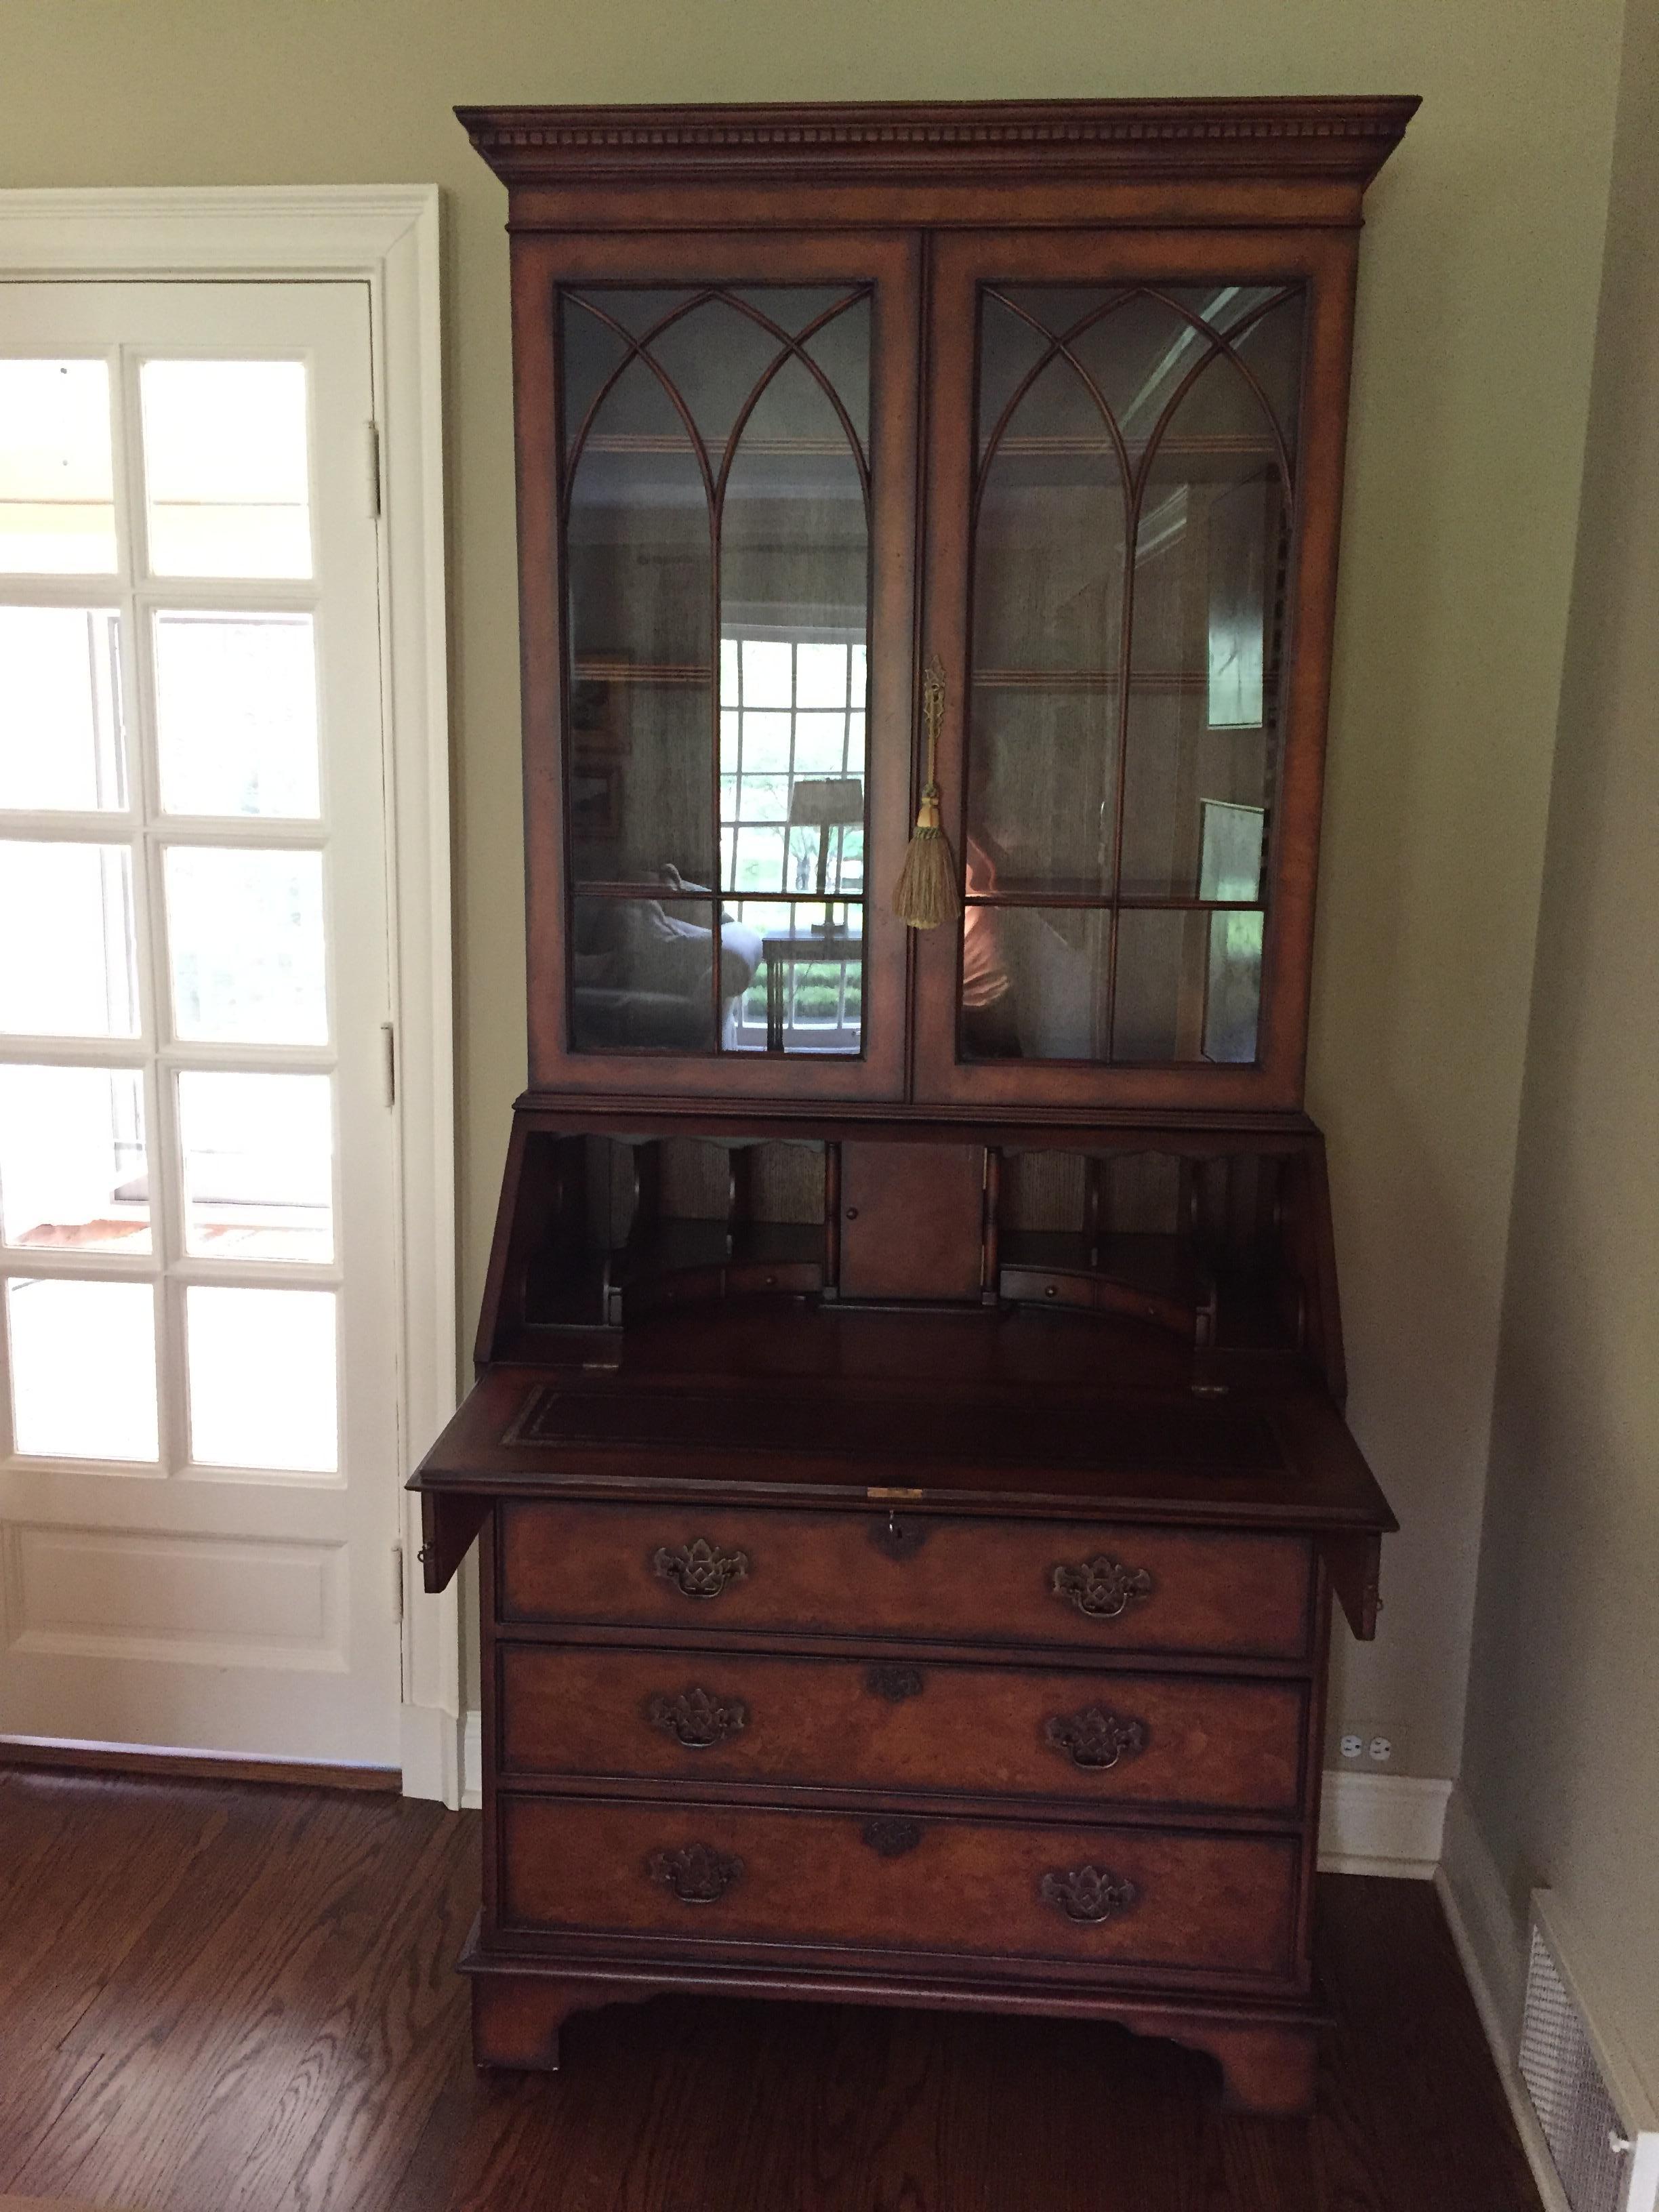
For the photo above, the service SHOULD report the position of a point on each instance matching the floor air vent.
(1604, 2160)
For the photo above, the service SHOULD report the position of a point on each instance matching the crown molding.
(1335, 139)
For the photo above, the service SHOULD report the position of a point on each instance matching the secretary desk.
(907, 1455)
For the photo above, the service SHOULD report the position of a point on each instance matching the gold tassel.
(926, 893)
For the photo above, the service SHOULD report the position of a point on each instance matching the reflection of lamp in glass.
(824, 803)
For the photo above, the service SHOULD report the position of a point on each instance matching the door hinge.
(372, 467)
(388, 1064)
(397, 1581)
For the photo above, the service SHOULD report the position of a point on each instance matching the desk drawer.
(572, 1713)
(1079, 1583)
(728, 1876)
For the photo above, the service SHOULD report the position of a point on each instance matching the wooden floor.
(215, 1999)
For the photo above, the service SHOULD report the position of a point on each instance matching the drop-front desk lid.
(993, 1414)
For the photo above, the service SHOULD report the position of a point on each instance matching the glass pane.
(1124, 727)
(236, 714)
(246, 930)
(642, 973)
(1232, 987)
(1160, 985)
(1049, 574)
(642, 702)
(82, 1369)
(258, 1154)
(794, 586)
(807, 994)
(61, 742)
(1035, 982)
(720, 404)
(1212, 558)
(71, 906)
(56, 495)
(225, 468)
(72, 1165)
(261, 1365)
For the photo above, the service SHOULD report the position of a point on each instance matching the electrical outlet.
(1352, 1745)
(1380, 1749)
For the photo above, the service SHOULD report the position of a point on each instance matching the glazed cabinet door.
(1134, 470)
(717, 481)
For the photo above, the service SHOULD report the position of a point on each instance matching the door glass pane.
(261, 1368)
(246, 930)
(691, 419)
(1123, 726)
(61, 742)
(258, 1154)
(71, 907)
(236, 714)
(56, 480)
(72, 1164)
(82, 1368)
(225, 468)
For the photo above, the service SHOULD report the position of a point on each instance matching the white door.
(198, 1292)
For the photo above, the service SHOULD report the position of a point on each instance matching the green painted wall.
(1561, 1764)
(1477, 298)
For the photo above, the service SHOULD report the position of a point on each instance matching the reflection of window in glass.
(792, 832)
(1231, 869)
(1239, 527)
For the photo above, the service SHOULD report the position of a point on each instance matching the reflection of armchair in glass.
(642, 968)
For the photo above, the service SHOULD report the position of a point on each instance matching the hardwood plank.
(218, 1999)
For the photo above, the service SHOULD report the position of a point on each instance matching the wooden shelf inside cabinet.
(909, 1458)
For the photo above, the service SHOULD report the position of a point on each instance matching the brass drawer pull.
(697, 1720)
(698, 1874)
(1095, 1737)
(894, 1683)
(699, 1568)
(1089, 1893)
(891, 1838)
(1102, 1588)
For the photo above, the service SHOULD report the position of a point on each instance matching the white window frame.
(388, 236)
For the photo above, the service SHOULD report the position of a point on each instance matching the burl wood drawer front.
(721, 1874)
(1064, 1583)
(1142, 1739)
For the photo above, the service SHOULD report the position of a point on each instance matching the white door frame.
(387, 235)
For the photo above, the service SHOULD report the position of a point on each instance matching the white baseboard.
(472, 1761)
(1492, 1944)
(431, 1754)
(1386, 1824)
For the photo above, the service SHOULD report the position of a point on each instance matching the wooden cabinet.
(908, 1441)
